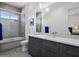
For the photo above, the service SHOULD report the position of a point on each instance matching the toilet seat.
(24, 42)
(24, 45)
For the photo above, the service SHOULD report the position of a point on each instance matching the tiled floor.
(16, 52)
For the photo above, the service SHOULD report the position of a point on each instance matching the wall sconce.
(31, 21)
(75, 27)
(74, 30)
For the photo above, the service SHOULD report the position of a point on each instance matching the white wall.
(24, 20)
(30, 12)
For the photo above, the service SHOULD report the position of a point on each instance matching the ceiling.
(21, 4)
(17, 4)
(45, 4)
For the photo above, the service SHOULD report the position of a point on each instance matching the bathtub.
(9, 43)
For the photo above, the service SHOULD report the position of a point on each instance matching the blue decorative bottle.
(1, 36)
(46, 29)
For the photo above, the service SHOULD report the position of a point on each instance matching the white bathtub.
(9, 43)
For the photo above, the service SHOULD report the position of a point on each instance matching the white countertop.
(70, 41)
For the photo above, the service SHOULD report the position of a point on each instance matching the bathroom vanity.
(50, 46)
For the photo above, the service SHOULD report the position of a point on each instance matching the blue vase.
(1, 37)
(46, 29)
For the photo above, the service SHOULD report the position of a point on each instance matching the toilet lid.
(25, 41)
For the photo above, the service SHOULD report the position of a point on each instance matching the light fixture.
(75, 27)
(73, 2)
(47, 9)
(40, 5)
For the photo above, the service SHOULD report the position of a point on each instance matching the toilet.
(24, 45)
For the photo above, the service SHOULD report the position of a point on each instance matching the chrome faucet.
(54, 33)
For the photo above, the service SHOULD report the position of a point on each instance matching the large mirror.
(38, 21)
(54, 16)
(62, 18)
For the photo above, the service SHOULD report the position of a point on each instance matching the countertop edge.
(68, 41)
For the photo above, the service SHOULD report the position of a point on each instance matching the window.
(5, 14)
(10, 26)
(14, 16)
(9, 15)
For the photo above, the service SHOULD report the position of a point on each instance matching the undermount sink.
(45, 35)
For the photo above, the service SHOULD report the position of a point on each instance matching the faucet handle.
(54, 32)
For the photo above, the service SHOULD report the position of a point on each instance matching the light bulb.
(76, 27)
(47, 9)
(40, 5)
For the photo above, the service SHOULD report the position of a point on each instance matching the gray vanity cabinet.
(34, 46)
(48, 49)
(41, 47)
(44, 48)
